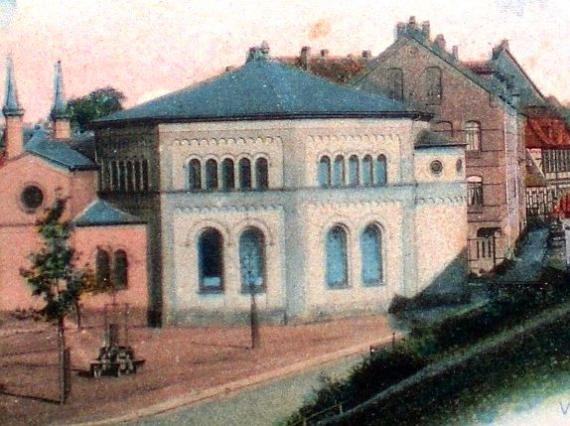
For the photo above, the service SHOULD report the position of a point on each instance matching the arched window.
(130, 177)
(194, 175)
(244, 173)
(114, 176)
(353, 171)
(120, 270)
(211, 174)
(145, 175)
(138, 176)
(262, 173)
(444, 127)
(103, 268)
(367, 177)
(474, 191)
(324, 172)
(336, 257)
(371, 250)
(122, 176)
(380, 177)
(228, 174)
(338, 171)
(473, 135)
(252, 260)
(211, 260)
(433, 85)
(395, 84)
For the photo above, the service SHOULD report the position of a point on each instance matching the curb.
(216, 392)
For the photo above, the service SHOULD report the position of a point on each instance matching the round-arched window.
(436, 167)
(32, 197)
(459, 165)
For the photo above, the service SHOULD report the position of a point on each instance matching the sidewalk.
(183, 366)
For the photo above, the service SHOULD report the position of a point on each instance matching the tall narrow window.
(120, 270)
(228, 175)
(114, 176)
(122, 176)
(262, 173)
(367, 177)
(194, 175)
(103, 268)
(211, 174)
(145, 176)
(336, 257)
(433, 85)
(210, 260)
(244, 174)
(252, 260)
(338, 171)
(371, 249)
(473, 135)
(138, 176)
(130, 177)
(474, 191)
(353, 171)
(325, 172)
(396, 84)
(380, 177)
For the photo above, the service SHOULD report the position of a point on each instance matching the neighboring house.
(480, 112)
(51, 165)
(320, 199)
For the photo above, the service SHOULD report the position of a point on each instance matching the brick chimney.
(305, 57)
(440, 42)
(455, 52)
(426, 29)
(14, 115)
(59, 115)
(324, 53)
(366, 54)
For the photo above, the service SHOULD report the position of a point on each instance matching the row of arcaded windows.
(126, 176)
(210, 175)
(211, 258)
(354, 171)
(337, 255)
(112, 274)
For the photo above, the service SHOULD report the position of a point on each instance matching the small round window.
(32, 197)
(436, 167)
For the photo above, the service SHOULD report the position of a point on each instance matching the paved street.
(260, 406)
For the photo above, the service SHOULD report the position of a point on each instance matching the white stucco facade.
(419, 213)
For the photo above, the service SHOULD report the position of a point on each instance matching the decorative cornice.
(265, 140)
(230, 209)
(354, 138)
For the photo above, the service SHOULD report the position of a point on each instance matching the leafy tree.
(97, 104)
(53, 274)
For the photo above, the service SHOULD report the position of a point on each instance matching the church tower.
(14, 115)
(59, 115)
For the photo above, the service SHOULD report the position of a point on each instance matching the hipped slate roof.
(431, 139)
(101, 213)
(58, 152)
(262, 89)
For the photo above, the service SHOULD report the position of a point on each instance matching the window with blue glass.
(371, 251)
(244, 174)
(336, 257)
(338, 171)
(325, 172)
(211, 261)
(194, 175)
(380, 177)
(353, 171)
(367, 177)
(252, 260)
(262, 173)
(228, 174)
(211, 174)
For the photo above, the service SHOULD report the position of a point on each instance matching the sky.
(146, 48)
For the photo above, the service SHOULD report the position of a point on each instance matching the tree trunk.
(78, 313)
(61, 353)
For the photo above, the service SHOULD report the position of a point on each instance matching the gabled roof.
(102, 213)
(262, 89)
(58, 152)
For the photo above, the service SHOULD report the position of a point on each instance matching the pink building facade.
(55, 164)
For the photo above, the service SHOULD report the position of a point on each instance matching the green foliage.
(53, 274)
(97, 104)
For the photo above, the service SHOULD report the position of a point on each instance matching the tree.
(54, 276)
(97, 104)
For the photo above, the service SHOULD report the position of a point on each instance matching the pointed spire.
(11, 104)
(59, 107)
